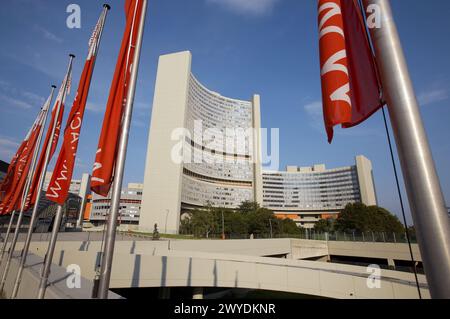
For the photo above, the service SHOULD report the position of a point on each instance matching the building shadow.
(136, 271)
(215, 273)
(189, 275)
(84, 246)
(61, 258)
(164, 271)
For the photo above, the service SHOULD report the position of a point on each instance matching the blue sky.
(239, 48)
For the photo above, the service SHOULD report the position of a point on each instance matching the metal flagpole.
(24, 197)
(106, 7)
(59, 212)
(26, 246)
(50, 251)
(107, 257)
(8, 231)
(41, 180)
(421, 180)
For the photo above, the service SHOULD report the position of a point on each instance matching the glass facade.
(322, 191)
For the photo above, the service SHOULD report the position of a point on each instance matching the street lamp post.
(223, 226)
(271, 232)
(165, 225)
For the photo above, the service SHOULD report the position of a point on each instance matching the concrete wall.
(365, 179)
(238, 263)
(388, 251)
(175, 266)
(257, 156)
(161, 198)
(57, 288)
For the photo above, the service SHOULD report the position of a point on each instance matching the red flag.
(105, 160)
(350, 86)
(24, 165)
(8, 180)
(32, 194)
(58, 188)
(18, 170)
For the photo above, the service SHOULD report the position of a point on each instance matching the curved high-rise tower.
(202, 148)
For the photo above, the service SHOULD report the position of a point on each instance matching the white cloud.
(8, 148)
(47, 34)
(94, 107)
(314, 111)
(34, 98)
(250, 7)
(15, 102)
(19, 98)
(433, 96)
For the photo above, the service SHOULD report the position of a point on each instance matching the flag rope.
(388, 135)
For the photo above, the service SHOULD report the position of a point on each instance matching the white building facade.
(202, 148)
(308, 194)
(130, 205)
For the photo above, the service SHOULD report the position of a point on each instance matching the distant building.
(80, 187)
(130, 206)
(3, 170)
(79, 190)
(308, 194)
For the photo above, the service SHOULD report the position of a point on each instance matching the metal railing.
(387, 237)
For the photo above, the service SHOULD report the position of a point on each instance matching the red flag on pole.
(350, 86)
(17, 172)
(103, 170)
(58, 188)
(31, 198)
(8, 180)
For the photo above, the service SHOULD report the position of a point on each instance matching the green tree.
(202, 222)
(325, 225)
(288, 227)
(248, 219)
(248, 207)
(260, 221)
(361, 218)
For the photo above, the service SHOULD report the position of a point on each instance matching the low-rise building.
(130, 205)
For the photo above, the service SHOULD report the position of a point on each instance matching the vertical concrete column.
(257, 157)
(197, 293)
(391, 263)
(161, 198)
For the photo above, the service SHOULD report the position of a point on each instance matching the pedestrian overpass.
(266, 264)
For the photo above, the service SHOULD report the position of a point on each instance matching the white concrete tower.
(189, 119)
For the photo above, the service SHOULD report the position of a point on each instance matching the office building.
(308, 194)
(215, 167)
(130, 206)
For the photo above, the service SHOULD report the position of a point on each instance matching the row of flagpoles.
(362, 69)
(22, 187)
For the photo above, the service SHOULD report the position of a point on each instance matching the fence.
(386, 237)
